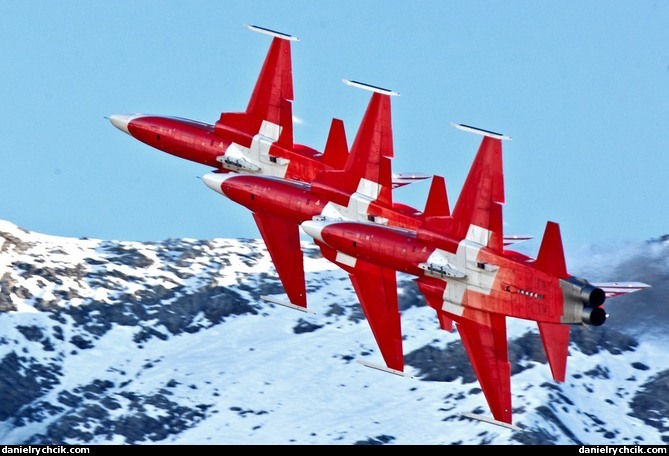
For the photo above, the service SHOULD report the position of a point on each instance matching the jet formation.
(343, 199)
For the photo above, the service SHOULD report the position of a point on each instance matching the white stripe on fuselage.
(369, 188)
(356, 210)
(478, 235)
(358, 204)
(345, 259)
(465, 259)
(258, 153)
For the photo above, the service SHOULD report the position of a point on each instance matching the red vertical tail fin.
(551, 253)
(368, 166)
(478, 212)
(269, 111)
(437, 199)
(336, 147)
(275, 82)
(554, 336)
(436, 216)
(375, 136)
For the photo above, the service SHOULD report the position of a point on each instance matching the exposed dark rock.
(598, 372)
(550, 416)
(95, 388)
(6, 285)
(651, 402)
(304, 326)
(12, 242)
(590, 340)
(68, 399)
(126, 255)
(442, 365)
(135, 426)
(335, 309)
(58, 333)
(451, 363)
(261, 285)
(343, 309)
(81, 342)
(174, 309)
(243, 412)
(22, 380)
(533, 436)
(527, 347)
(36, 412)
(409, 295)
(46, 273)
(110, 403)
(185, 297)
(32, 333)
(378, 440)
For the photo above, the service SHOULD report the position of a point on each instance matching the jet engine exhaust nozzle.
(595, 316)
(593, 296)
(588, 294)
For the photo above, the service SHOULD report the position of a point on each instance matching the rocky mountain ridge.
(116, 342)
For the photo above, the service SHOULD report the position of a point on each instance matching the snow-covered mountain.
(108, 342)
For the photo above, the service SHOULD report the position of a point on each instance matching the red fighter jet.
(257, 141)
(361, 191)
(469, 278)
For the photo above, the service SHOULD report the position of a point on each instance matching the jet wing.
(483, 335)
(555, 338)
(402, 179)
(282, 239)
(376, 288)
(433, 290)
(612, 289)
(516, 238)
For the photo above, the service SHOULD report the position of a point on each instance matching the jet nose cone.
(215, 180)
(314, 228)
(121, 121)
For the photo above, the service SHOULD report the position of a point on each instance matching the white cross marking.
(258, 153)
(465, 259)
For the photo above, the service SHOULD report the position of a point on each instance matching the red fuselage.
(473, 276)
(284, 198)
(297, 201)
(204, 143)
(183, 138)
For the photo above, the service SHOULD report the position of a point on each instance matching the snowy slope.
(107, 342)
